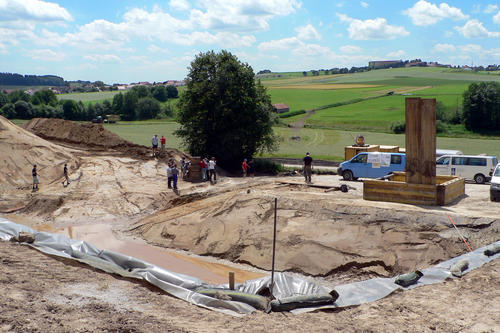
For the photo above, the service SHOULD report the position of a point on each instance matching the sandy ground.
(332, 237)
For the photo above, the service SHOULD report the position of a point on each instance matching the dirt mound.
(20, 149)
(315, 235)
(91, 135)
(69, 131)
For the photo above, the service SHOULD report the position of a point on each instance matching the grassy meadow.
(99, 96)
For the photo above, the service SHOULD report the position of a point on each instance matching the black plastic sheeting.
(183, 286)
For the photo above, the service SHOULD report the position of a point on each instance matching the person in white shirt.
(211, 170)
(154, 142)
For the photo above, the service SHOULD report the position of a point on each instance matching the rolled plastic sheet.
(184, 286)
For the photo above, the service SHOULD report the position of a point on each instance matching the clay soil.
(331, 237)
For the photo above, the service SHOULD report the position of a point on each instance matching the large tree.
(224, 112)
(481, 106)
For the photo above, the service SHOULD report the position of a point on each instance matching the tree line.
(140, 102)
(12, 79)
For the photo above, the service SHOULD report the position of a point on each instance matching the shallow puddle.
(102, 237)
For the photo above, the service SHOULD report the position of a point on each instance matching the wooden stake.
(274, 245)
(231, 280)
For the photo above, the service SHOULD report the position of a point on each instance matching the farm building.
(281, 108)
(382, 64)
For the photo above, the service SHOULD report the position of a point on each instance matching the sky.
(124, 41)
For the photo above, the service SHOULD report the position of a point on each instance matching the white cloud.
(475, 29)
(103, 58)
(443, 48)
(32, 10)
(496, 18)
(350, 49)
(372, 29)
(365, 4)
(490, 9)
(313, 50)
(156, 49)
(179, 4)
(396, 54)
(281, 44)
(307, 32)
(424, 13)
(46, 55)
(471, 48)
(243, 15)
(138, 23)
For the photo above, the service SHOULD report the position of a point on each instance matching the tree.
(147, 108)
(224, 112)
(172, 92)
(3, 99)
(304, 73)
(129, 104)
(18, 95)
(117, 103)
(160, 93)
(142, 91)
(8, 111)
(24, 110)
(70, 109)
(481, 106)
(44, 96)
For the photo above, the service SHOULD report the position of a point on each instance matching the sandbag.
(492, 250)
(459, 267)
(303, 301)
(408, 279)
(257, 301)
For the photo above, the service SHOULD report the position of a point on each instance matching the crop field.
(89, 96)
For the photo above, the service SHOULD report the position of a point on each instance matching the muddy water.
(102, 236)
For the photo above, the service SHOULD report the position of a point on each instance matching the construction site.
(118, 200)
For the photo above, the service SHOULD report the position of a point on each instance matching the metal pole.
(274, 245)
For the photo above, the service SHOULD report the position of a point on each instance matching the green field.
(376, 115)
(321, 143)
(90, 96)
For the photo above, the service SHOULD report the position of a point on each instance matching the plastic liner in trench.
(184, 287)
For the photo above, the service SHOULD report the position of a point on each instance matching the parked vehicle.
(477, 168)
(495, 184)
(441, 152)
(372, 165)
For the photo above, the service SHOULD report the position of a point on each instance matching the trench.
(102, 236)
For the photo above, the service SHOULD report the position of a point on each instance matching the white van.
(495, 184)
(471, 167)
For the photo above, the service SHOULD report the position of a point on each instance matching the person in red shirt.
(203, 165)
(162, 141)
(244, 167)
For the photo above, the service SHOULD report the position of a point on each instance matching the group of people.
(208, 170)
(154, 143)
(36, 180)
(248, 167)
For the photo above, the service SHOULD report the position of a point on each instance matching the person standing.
(175, 173)
(154, 142)
(203, 166)
(170, 176)
(251, 168)
(35, 178)
(163, 141)
(211, 170)
(244, 167)
(66, 177)
(307, 166)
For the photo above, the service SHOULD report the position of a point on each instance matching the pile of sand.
(20, 149)
(92, 135)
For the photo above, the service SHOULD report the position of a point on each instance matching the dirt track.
(336, 237)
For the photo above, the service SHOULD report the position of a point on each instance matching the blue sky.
(128, 41)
